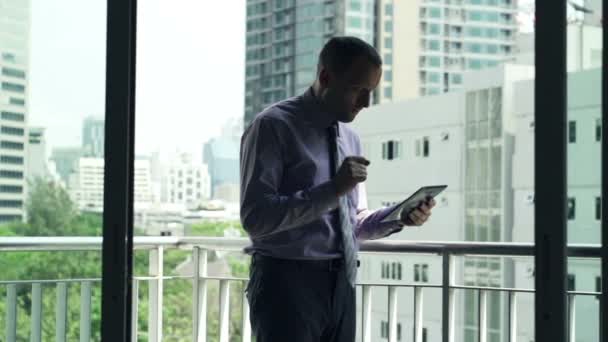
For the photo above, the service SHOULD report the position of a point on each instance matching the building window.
(13, 72)
(354, 22)
(12, 116)
(12, 131)
(355, 5)
(433, 29)
(396, 270)
(421, 273)
(13, 189)
(456, 78)
(571, 131)
(571, 282)
(425, 147)
(11, 174)
(11, 204)
(388, 58)
(435, 12)
(391, 150)
(388, 26)
(434, 45)
(388, 92)
(425, 273)
(571, 208)
(11, 160)
(598, 208)
(9, 145)
(17, 102)
(398, 331)
(388, 9)
(388, 43)
(384, 329)
(598, 129)
(388, 75)
(17, 88)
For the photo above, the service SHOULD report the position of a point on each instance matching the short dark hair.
(339, 53)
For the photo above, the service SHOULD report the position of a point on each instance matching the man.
(305, 218)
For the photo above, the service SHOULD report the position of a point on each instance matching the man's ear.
(324, 77)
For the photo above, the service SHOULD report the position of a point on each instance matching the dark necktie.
(346, 228)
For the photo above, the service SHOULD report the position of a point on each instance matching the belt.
(313, 265)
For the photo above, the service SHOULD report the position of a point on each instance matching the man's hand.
(352, 171)
(418, 216)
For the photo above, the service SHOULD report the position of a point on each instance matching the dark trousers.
(300, 301)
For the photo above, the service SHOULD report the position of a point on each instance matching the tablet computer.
(414, 201)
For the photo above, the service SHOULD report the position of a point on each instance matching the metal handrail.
(237, 244)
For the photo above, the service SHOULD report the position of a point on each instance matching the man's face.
(345, 95)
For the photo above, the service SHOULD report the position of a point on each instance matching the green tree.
(49, 210)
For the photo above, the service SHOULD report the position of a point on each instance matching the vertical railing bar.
(36, 308)
(512, 316)
(418, 313)
(224, 311)
(392, 313)
(85, 311)
(367, 313)
(135, 310)
(11, 312)
(571, 318)
(61, 312)
(155, 297)
(447, 298)
(483, 316)
(246, 325)
(199, 288)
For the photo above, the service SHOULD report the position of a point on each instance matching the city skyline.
(62, 119)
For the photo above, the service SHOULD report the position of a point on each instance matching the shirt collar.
(315, 112)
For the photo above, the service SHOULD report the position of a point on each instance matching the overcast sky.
(190, 69)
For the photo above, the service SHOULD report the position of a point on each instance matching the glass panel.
(584, 34)
(52, 105)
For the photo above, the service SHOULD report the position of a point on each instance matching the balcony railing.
(200, 246)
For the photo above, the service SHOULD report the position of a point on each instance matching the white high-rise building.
(36, 154)
(462, 139)
(87, 182)
(427, 46)
(479, 141)
(14, 87)
(584, 195)
(186, 182)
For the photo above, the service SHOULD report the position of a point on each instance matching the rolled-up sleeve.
(264, 210)
(369, 225)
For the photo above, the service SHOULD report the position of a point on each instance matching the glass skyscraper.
(284, 38)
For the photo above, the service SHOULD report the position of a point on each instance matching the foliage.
(50, 212)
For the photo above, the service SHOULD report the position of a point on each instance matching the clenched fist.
(352, 171)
